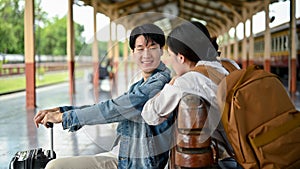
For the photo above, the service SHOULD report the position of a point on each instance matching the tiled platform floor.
(18, 132)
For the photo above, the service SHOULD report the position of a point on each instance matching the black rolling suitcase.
(34, 158)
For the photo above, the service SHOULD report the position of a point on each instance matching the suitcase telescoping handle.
(50, 125)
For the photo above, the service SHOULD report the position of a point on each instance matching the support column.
(244, 47)
(110, 47)
(125, 52)
(116, 59)
(236, 46)
(222, 47)
(70, 50)
(228, 55)
(29, 53)
(95, 56)
(251, 43)
(132, 65)
(267, 53)
(293, 50)
(116, 48)
(111, 57)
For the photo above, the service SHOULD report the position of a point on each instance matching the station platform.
(18, 132)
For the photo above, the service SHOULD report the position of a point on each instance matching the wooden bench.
(188, 151)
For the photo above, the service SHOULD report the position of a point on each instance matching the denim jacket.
(141, 145)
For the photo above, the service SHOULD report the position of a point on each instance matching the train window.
(255, 47)
(272, 44)
(280, 44)
(258, 46)
(285, 43)
(297, 41)
(277, 44)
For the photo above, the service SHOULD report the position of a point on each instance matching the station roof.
(219, 15)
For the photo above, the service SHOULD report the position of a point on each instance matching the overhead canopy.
(219, 15)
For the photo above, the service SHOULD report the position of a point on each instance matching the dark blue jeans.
(229, 163)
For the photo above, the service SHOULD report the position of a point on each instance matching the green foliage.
(87, 49)
(12, 32)
(41, 70)
(121, 47)
(53, 37)
(50, 34)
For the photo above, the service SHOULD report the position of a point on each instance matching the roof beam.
(213, 24)
(126, 3)
(221, 15)
(212, 28)
(139, 19)
(153, 7)
(206, 14)
(227, 16)
(206, 6)
(236, 3)
(233, 10)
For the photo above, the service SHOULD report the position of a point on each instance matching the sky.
(281, 11)
(84, 16)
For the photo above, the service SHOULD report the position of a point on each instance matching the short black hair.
(192, 40)
(150, 32)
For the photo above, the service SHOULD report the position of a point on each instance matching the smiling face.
(146, 54)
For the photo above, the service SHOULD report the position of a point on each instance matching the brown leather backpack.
(261, 122)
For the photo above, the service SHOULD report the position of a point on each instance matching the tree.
(54, 37)
(40, 20)
(50, 35)
(11, 27)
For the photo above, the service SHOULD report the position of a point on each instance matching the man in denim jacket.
(140, 145)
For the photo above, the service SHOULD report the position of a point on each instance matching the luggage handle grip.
(50, 125)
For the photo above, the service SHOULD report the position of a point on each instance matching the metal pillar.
(267, 53)
(293, 49)
(70, 50)
(116, 59)
(125, 53)
(244, 47)
(29, 54)
(228, 47)
(236, 46)
(95, 54)
(251, 43)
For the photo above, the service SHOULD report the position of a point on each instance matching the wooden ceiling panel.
(220, 15)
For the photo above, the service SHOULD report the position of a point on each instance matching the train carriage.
(279, 60)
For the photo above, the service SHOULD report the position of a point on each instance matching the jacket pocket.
(276, 143)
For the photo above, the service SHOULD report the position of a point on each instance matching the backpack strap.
(228, 65)
(278, 131)
(216, 77)
(210, 73)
